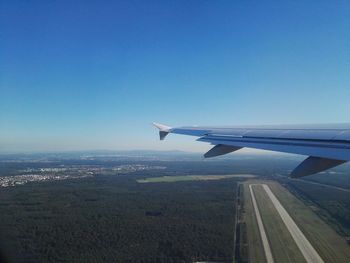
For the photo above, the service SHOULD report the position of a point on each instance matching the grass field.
(330, 246)
(172, 179)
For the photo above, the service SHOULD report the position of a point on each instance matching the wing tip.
(163, 130)
(161, 127)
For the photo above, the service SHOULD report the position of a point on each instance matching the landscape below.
(143, 207)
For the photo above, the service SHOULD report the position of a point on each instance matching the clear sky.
(94, 74)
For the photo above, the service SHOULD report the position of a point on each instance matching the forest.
(115, 219)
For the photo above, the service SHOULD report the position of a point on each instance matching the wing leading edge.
(326, 145)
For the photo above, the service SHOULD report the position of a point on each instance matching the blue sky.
(81, 75)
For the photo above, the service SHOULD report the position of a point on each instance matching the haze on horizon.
(94, 75)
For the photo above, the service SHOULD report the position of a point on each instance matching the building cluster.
(6, 181)
(71, 172)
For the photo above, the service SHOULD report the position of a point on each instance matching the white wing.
(326, 145)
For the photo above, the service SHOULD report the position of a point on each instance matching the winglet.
(163, 130)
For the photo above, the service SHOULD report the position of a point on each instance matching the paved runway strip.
(310, 254)
(265, 241)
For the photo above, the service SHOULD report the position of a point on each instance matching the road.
(236, 223)
(266, 245)
(308, 251)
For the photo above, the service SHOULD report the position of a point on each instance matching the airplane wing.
(326, 145)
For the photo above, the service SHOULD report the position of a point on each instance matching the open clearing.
(172, 179)
(325, 242)
(330, 246)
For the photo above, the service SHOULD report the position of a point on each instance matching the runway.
(308, 251)
(266, 245)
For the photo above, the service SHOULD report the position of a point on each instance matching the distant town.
(72, 172)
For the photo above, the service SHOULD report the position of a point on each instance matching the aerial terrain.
(172, 207)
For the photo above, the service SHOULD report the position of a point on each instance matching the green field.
(180, 178)
(331, 246)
